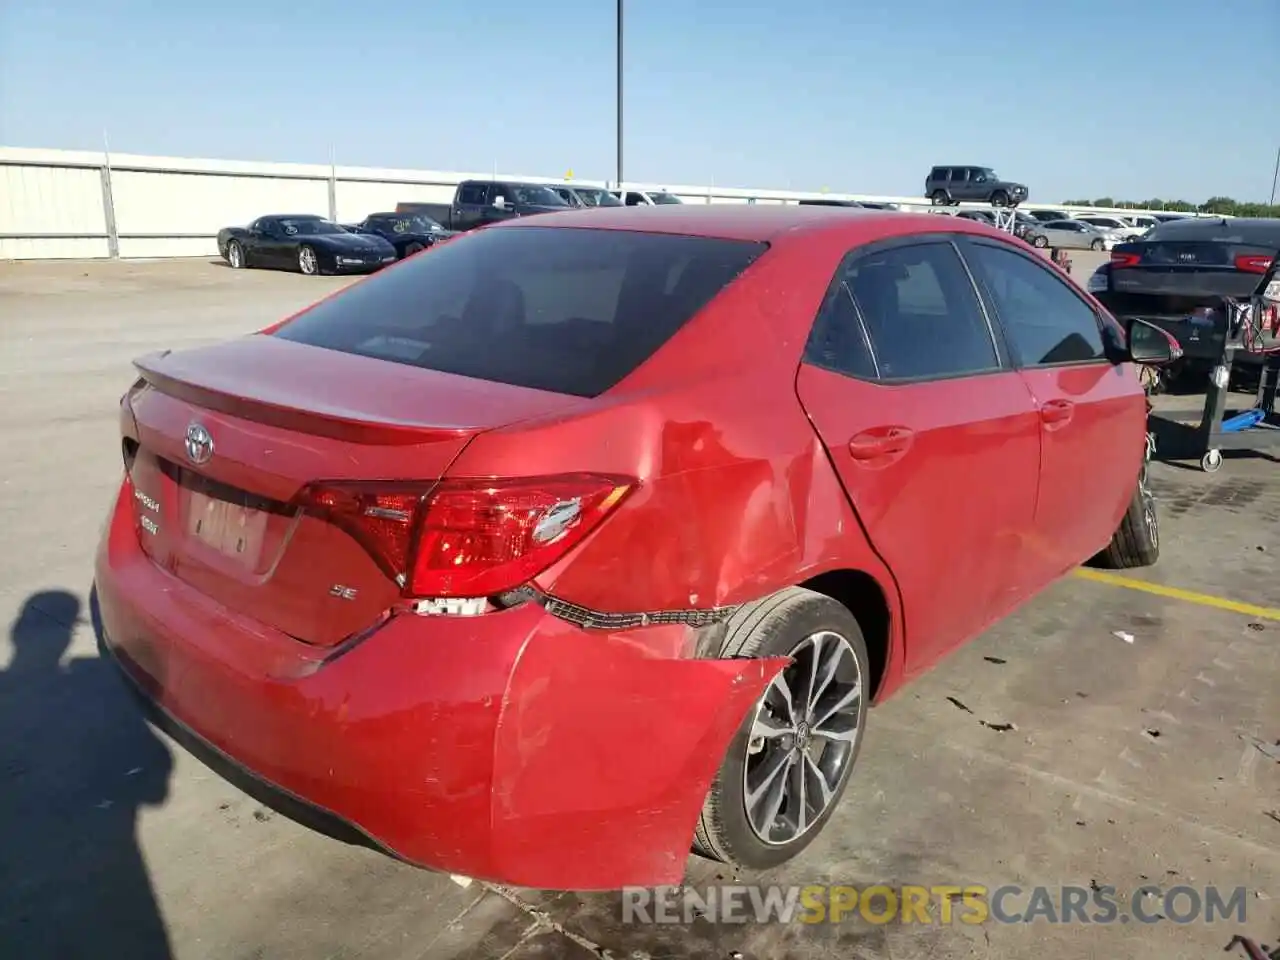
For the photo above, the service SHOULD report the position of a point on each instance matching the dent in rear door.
(936, 442)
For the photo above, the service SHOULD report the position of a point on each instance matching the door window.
(921, 315)
(635, 200)
(838, 340)
(1047, 322)
(472, 193)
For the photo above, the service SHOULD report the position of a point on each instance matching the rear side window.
(566, 310)
(921, 313)
(1045, 319)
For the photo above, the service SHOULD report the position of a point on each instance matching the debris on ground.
(995, 659)
(1153, 733)
(998, 727)
(1122, 635)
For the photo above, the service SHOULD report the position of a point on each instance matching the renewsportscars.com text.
(939, 904)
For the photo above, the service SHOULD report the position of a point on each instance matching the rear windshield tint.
(553, 308)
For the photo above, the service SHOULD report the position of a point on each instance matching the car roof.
(754, 222)
(294, 216)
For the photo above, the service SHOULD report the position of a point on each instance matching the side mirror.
(1150, 344)
(500, 202)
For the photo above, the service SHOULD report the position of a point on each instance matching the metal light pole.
(619, 91)
(1275, 177)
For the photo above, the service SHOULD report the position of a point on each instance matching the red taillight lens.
(468, 538)
(483, 537)
(381, 517)
(1253, 263)
(1125, 259)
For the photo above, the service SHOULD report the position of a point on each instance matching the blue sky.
(1128, 98)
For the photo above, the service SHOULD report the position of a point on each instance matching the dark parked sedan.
(303, 242)
(407, 232)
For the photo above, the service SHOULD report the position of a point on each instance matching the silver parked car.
(1072, 235)
(1122, 229)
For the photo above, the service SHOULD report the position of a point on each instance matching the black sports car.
(407, 232)
(306, 243)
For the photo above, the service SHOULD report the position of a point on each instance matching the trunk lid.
(229, 436)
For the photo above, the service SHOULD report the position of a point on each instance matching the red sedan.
(587, 539)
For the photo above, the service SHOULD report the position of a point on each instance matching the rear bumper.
(511, 747)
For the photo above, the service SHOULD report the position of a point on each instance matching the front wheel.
(1000, 199)
(1041, 241)
(413, 248)
(235, 255)
(1137, 541)
(1097, 245)
(790, 761)
(308, 263)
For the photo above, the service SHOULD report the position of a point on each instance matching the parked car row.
(1076, 231)
(312, 244)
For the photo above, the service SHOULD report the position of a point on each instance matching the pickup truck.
(480, 202)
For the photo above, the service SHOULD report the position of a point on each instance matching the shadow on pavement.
(77, 764)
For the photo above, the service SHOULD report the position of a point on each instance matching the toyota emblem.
(199, 444)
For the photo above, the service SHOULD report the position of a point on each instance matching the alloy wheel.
(307, 260)
(805, 731)
(1148, 499)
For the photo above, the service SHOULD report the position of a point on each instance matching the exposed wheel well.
(860, 593)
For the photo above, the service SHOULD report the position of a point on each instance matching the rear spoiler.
(220, 387)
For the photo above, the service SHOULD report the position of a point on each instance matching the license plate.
(232, 530)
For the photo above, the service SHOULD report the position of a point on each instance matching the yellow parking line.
(1177, 593)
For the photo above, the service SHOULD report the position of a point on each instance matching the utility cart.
(1252, 332)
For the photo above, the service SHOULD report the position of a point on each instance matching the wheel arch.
(862, 595)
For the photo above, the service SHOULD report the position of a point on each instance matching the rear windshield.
(553, 308)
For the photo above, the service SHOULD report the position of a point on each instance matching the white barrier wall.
(63, 204)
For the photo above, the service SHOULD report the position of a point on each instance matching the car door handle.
(880, 442)
(1056, 413)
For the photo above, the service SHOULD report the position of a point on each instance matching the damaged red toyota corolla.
(587, 539)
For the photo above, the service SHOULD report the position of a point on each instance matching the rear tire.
(1137, 541)
(774, 819)
(1040, 241)
(939, 198)
(413, 248)
(1097, 245)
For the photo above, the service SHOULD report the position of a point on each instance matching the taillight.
(1254, 263)
(1125, 259)
(468, 538)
